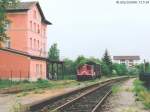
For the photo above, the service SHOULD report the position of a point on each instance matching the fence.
(14, 75)
(25, 75)
(145, 77)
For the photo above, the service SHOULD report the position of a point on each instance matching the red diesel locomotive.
(88, 71)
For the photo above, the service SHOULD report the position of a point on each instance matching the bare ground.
(124, 100)
(8, 101)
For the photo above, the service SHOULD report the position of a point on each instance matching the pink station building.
(23, 55)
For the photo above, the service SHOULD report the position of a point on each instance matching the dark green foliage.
(42, 83)
(70, 77)
(106, 64)
(107, 59)
(70, 69)
(142, 93)
(147, 67)
(144, 73)
(133, 71)
(25, 85)
(5, 83)
(95, 60)
(4, 4)
(144, 67)
(71, 66)
(53, 53)
(105, 69)
(141, 68)
(120, 69)
(80, 61)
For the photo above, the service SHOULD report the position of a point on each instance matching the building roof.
(126, 57)
(28, 55)
(22, 53)
(25, 6)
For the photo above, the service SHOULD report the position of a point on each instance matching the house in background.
(24, 54)
(130, 61)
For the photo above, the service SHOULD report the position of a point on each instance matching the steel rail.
(78, 101)
(97, 107)
(65, 98)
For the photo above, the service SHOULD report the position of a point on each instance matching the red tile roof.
(25, 6)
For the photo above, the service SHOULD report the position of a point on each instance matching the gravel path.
(123, 100)
(8, 101)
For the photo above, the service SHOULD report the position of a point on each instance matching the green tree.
(107, 58)
(105, 69)
(4, 4)
(80, 61)
(144, 67)
(133, 71)
(70, 69)
(147, 67)
(140, 68)
(95, 60)
(121, 69)
(107, 62)
(53, 53)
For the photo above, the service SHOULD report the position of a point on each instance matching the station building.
(23, 55)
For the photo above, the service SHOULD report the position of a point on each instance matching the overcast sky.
(88, 27)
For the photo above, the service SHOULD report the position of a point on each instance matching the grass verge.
(18, 107)
(40, 86)
(142, 93)
(115, 89)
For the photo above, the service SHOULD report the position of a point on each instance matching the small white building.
(130, 61)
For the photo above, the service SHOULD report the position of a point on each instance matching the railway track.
(89, 102)
(86, 99)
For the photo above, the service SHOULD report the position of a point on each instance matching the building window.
(7, 43)
(31, 43)
(34, 27)
(122, 61)
(131, 61)
(31, 25)
(38, 29)
(41, 31)
(38, 45)
(34, 44)
(34, 15)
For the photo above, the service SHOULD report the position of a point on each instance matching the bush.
(138, 86)
(133, 71)
(7, 83)
(120, 69)
(114, 72)
(105, 69)
(42, 83)
(142, 93)
(25, 81)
